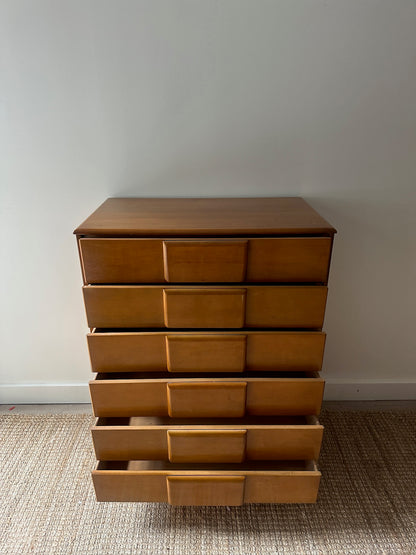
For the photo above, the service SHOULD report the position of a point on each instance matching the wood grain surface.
(203, 216)
(207, 351)
(274, 306)
(206, 396)
(219, 440)
(263, 483)
(266, 259)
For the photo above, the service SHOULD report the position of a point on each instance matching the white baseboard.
(335, 390)
(369, 390)
(49, 393)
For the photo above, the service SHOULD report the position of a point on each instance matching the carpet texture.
(367, 500)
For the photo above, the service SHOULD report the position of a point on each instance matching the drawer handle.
(220, 446)
(205, 490)
(204, 307)
(205, 261)
(206, 399)
(206, 353)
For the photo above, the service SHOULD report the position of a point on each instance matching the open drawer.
(174, 306)
(205, 351)
(181, 441)
(215, 260)
(211, 396)
(207, 484)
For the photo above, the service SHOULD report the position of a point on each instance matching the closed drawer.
(207, 484)
(135, 351)
(206, 397)
(221, 260)
(275, 306)
(179, 441)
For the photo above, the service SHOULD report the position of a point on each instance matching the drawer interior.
(193, 331)
(133, 376)
(223, 423)
(211, 468)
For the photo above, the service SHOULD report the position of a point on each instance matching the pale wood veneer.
(262, 306)
(277, 482)
(133, 260)
(227, 351)
(206, 396)
(195, 440)
(207, 317)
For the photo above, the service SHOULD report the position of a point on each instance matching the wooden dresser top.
(144, 217)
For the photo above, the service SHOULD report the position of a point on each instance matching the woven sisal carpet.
(367, 501)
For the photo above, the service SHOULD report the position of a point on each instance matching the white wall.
(314, 98)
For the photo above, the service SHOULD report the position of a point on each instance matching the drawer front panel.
(284, 443)
(205, 487)
(202, 398)
(285, 307)
(205, 444)
(287, 397)
(290, 259)
(126, 486)
(124, 307)
(285, 351)
(122, 443)
(125, 398)
(219, 260)
(206, 351)
(127, 352)
(122, 260)
(231, 307)
(282, 489)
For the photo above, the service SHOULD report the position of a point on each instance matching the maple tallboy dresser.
(205, 321)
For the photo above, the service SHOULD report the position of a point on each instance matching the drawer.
(275, 306)
(195, 441)
(207, 484)
(206, 397)
(220, 260)
(135, 351)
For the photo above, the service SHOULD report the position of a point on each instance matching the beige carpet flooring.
(367, 500)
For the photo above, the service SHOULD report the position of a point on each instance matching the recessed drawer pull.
(205, 261)
(206, 353)
(206, 399)
(204, 308)
(205, 490)
(206, 446)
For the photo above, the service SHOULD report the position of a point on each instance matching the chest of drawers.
(205, 320)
